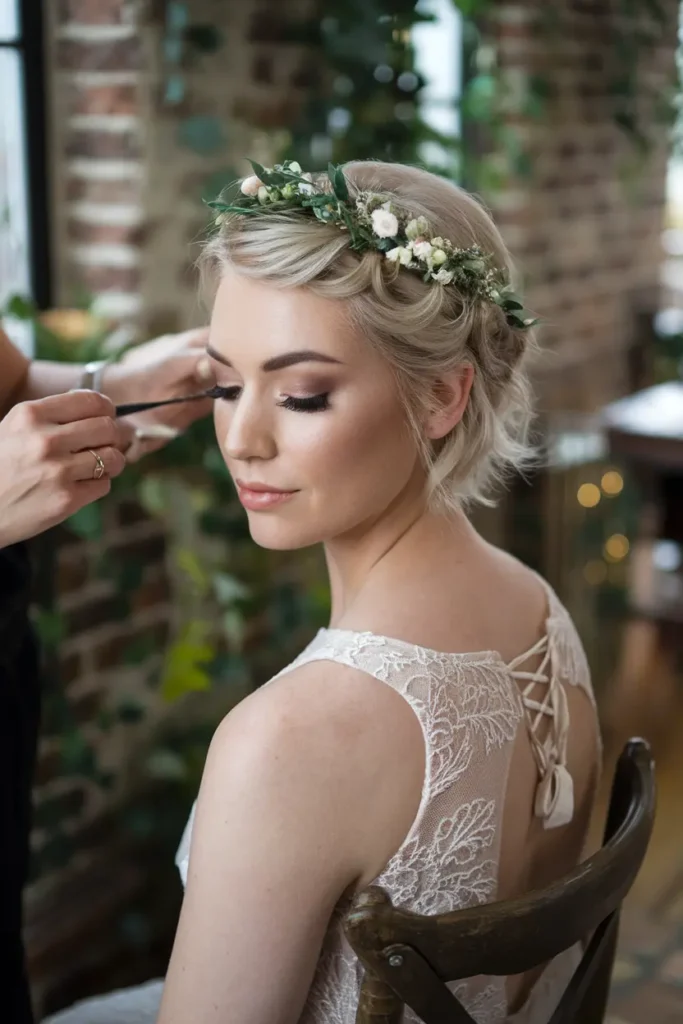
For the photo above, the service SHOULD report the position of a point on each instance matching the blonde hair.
(423, 330)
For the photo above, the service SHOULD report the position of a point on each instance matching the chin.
(274, 533)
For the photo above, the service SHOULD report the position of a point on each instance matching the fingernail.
(203, 369)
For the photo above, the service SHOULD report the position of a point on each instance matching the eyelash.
(316, 403)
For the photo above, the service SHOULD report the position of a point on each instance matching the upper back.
(511, 762)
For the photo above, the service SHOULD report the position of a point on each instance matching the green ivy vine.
(241, 611)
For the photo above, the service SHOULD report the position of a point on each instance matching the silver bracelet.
(91, 378)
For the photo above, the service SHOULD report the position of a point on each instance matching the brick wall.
(586, 225)
(129, 173)
(128, 176)
(131, 168)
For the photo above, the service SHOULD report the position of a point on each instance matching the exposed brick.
(104, 99)
(146, 550)
(89, 191)
(49, 767)
(306, 76)
(72, 572)
(94, 12)
(129, 513)
(262, 68)
(108, 654)
(103, 145)
(111, 279)
(117, 55)
(86, 707)
(55, 810)
(70, 669)
(266, 114)
(151, 593)
(87, 233)
(114, 651)
(97, 612)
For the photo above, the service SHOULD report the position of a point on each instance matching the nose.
(248, 435)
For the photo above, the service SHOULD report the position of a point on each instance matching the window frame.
(29, 44)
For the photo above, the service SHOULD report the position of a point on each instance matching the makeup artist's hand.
(51, 454)
(172, 366)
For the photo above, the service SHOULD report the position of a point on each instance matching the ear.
(451, 395)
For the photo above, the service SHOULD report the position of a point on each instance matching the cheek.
(221, 420)
(364, 450)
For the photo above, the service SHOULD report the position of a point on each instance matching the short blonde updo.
(423, 330)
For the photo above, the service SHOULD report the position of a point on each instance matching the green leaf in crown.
(374, 223)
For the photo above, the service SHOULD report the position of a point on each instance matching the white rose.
(438, 256)
(400, 255)
(263, 195)
(384, 223)
(251, 185)
(423, 250)
(443, 276)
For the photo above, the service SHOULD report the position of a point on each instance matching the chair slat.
(515, 936)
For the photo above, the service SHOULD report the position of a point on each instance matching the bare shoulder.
(529, 586)
(335, 744)
(331, 713)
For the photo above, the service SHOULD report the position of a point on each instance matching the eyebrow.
(280, 362)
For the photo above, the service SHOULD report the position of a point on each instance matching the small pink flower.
(251, 185)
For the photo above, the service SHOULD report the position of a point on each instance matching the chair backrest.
(408, 957)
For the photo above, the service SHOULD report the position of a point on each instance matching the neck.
(375, 550)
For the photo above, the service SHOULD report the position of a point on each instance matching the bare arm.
(310, 785)
(13, 371)
(162, 368)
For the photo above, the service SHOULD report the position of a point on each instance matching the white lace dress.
(470, 707)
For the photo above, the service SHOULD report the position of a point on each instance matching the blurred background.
(118, 120)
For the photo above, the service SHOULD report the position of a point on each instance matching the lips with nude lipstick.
(257, 497)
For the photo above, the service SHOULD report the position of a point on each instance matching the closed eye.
(312, 403)
(227, 394)
(316, 403)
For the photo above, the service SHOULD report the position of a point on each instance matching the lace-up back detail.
(470, 707)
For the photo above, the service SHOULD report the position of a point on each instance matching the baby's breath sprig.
(374, 222)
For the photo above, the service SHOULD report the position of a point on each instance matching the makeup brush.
(132, 407)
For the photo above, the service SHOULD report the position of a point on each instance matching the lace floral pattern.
(469, 708)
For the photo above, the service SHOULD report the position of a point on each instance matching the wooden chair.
(409, 957)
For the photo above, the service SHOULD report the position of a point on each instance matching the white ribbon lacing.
(554, 801)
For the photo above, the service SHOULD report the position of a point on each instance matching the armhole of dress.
(306, 658)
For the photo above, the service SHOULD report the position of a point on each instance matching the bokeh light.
(588, 495)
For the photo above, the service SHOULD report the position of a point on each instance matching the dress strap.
(554, 801)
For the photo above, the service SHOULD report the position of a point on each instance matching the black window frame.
(29, 44)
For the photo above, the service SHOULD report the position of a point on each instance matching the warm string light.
(588, 495)
(616, 547)
(612, 483)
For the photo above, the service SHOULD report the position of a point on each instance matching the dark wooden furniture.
(408, 957)
(645, 432)
(647, 428)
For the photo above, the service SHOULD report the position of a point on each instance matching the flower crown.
(373, 222)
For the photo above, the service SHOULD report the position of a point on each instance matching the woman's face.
(310, 423)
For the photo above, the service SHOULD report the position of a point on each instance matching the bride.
(440, 738)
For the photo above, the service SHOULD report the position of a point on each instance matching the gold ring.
(100, 469)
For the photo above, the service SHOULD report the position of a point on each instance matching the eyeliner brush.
(133, 407)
